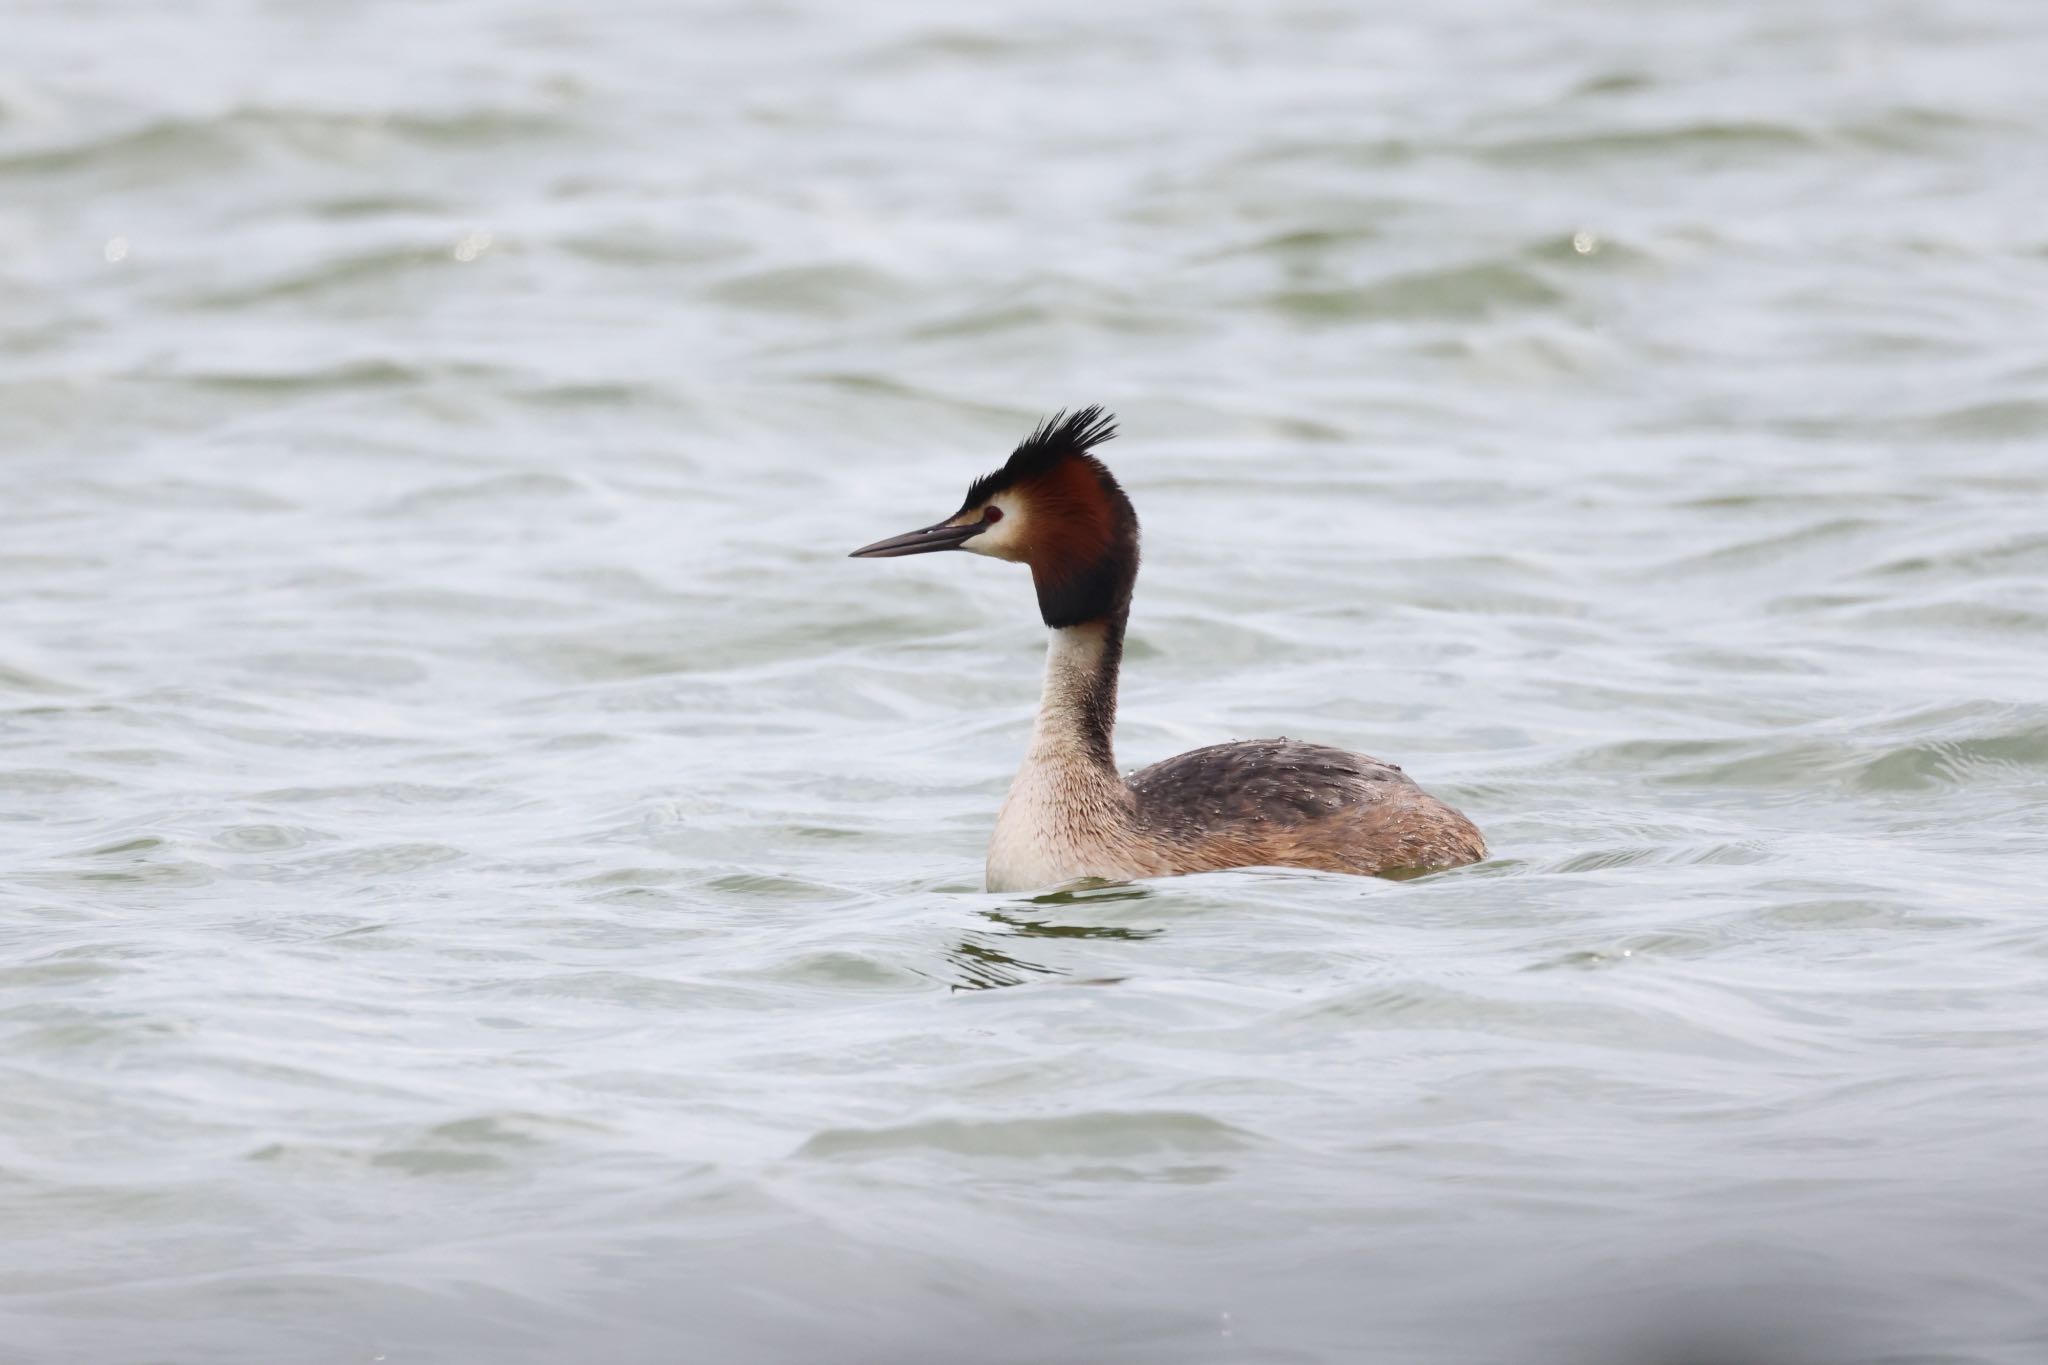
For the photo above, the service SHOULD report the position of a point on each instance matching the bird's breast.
(1060, 823)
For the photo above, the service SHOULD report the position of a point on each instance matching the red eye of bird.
(990, 515)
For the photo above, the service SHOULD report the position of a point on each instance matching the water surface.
(487, 880)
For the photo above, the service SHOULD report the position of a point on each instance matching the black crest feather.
(1059, 437)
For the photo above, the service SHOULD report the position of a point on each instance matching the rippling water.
(487, 880)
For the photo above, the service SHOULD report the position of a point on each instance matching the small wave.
(840, 969)
(1772, 548)
(338, 378)
(183, 143)
(1349, 151)
(1951, 616)
(340, 272)
(266, 838)
(1950, 746)
(1299, 244)
(1953, 762)
(1916, 128)
(1614, 83)
(1737, 853)
(482, 1142)
(379, 796)
(830, 290)
(1460, 292)
(948, 47)
(347, 208)
(14, 677)
(390, 859)
(1716, 140)
(194, 144)
(51, 782)
(1100, 1134)
(525, 488)
(2008, 420)
(59, 971)
(2023, 554)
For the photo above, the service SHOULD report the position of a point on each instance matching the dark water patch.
(1957, 616)
(1922, 128)
(143, 844)
(177, 147)
(1096, 1134)
(1816, 502)
(1457, 294)
(823, 290)
(629, 877)
(826, 834)
(1301, 246)
(652, 248)
(1717, 143)
(982, 320)
(384, 266)
(2021, 555)
(600, 396)
(431, 1161)
(985, 962)
(1370, 152)
(341, 377)
(2013, 419)
(341, 133)
(14, 677)
(948, 47)
(1010, 954)
(59, 972)
(1614, 83)
(1105, 893)
(353, 207)
(163, 149)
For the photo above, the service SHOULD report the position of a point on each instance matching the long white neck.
(1077, 709)
(1068, 814)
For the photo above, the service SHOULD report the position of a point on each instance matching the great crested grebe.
(1070, 814)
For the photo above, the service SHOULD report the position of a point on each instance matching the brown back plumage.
(1284, 803)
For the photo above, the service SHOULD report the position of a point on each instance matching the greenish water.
(487, 879)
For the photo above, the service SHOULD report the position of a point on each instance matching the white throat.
(1073, 659)
(1068, 812)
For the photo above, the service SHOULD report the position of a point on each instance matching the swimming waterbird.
(1070, 814)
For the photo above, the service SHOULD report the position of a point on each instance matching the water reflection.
(987, 959)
